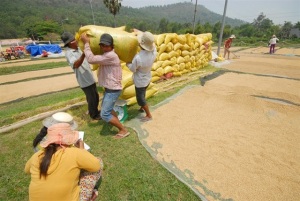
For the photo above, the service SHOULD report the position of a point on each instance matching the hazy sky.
(278, 11)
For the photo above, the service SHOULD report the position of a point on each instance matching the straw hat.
(61, 134)
(60, 117)
(146, 41)
(232, 36)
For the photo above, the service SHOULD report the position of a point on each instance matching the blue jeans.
(108, 103)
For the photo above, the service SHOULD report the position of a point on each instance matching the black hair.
(46, 160)
(40, 136)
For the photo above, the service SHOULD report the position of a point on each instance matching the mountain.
(184, 13)
(17, 17)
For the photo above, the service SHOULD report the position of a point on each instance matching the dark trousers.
(272, 48)
(140, 94)
(92, 98)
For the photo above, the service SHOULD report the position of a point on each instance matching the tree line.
(44, 24)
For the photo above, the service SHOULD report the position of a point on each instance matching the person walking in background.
(141, 67)
(109, 77)
(84, 75)
(55, 169)
(272, 44)
(227, 45)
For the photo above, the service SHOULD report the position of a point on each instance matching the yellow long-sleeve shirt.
(61, 183)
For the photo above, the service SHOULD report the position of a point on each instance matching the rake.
(235, 56)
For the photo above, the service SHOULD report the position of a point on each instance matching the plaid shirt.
(110, 70)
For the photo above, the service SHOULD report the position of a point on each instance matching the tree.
(41, 29)
(163, 25)
(113, 7)
(199, 29)
(246, 30)
(207, 28)
(285, 30)
(217, 29)
(297, 25)
(227, 30)
(261, 25)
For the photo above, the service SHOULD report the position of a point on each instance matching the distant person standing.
(272, 43)
(227, 45)
(141, 67)
(84, 75)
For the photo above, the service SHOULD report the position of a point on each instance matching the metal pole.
(195, 16)
(62, 23)
(92, 11)
(222, 28)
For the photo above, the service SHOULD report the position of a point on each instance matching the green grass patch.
(24, 108)
(34, 67)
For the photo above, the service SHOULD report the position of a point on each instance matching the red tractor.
(15, 51)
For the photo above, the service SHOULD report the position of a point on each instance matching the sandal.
(120, 136)
(144, 119)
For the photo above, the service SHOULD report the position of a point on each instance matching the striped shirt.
(110, 70)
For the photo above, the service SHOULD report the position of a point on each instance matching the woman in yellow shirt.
(55, 169)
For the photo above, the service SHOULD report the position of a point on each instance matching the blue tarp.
(37, 49)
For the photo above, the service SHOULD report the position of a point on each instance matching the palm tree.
(113, 7)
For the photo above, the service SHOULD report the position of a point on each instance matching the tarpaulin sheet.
(38, 49)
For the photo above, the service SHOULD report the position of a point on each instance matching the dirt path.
(34, 74)
(36, 83)
(26, 62)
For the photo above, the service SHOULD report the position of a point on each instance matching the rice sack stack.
(179, 54)
(125, 43)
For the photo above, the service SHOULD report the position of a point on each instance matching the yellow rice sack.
(129, 91)
(167, 63)
(177, 46)
(126, 78)
(169, 37)
(149, 93)
(162, 48)
(160, 39)
(156, 65)
(181, 39)
(155, 78)
(125, 43)
(164, 56)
